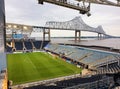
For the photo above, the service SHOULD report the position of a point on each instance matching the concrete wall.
(2, 26)
(2, 35)
(2, 61)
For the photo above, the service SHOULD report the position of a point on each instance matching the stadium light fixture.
(14, 26)
(25, 28)
(9, 26)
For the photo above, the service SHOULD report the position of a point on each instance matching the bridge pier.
(77, 35)
(46, 32)
(99, 36)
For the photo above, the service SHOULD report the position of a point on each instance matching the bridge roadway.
(76, 24)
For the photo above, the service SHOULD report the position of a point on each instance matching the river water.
(111, 42)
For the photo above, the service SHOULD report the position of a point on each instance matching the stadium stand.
(103, 64)
(93, 82)
(8, 47)
(28, 45)
(110, 68)
(45, 43)
(95, 55)
(19, 45)
(40, 44)
(82, 55)
(98, 84)
(37, 44)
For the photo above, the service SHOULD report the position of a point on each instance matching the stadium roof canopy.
(81, 5)
(18, 27)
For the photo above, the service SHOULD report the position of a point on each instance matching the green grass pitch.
(29, 67)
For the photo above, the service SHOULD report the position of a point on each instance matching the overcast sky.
(29, 12)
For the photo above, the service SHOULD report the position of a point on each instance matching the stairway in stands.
(110, 68)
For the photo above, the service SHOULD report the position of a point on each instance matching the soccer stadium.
(30, 63)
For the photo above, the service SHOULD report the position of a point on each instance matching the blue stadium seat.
(8, 49)
(40, 44)
(19, 45)
(45, 43)
(37, 44)
(80, 54)
(28, 45)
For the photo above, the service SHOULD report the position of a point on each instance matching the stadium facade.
(2, 26)
(2, 46)
(2, 34)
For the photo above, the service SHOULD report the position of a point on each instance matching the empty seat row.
(111, 68)
(79, 54)
(26, 45)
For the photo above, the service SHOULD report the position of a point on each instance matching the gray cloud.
(31, 13)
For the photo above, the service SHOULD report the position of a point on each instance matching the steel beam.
(103, 2)
(64, 3)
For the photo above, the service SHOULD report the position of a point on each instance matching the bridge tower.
(98, 36)
(101, 36)
(77, 35)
